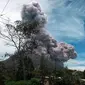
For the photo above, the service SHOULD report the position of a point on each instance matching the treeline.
(40, 76)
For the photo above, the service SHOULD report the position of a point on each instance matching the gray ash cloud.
(41, 42)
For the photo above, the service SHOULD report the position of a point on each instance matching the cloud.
(4, 48)
(75, 63)
(12, 11)
(78, 64)
(80, 68)
(65, 22)
(60, 51)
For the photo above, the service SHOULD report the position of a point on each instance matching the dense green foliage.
(33, 81)
(59, 77)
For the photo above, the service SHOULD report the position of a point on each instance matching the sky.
(66, 22)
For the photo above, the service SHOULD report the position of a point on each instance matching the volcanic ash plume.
(32, 13)
(41, 42)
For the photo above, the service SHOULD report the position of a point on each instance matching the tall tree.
(14, 37)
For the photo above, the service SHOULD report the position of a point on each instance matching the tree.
(84, 74)
(2, 72)
(28, 68)
(15, 37)
(12, 36)
(42, 69)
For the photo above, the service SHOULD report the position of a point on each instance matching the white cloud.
(80, 68)
(72, 62)
(4, 48)
(65, 23)
(78, 64)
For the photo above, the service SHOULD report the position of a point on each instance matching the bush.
(10, 83)
(22, 83)
(33, 81)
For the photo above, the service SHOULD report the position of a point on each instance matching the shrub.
(10, 83)
(22, 83)
(33, 81)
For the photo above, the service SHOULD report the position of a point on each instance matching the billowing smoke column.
(32, 13)
(41, 42)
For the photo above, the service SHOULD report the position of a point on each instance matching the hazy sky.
(66, 22)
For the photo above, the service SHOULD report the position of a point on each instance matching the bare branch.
(4, 36)
(15, 38)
